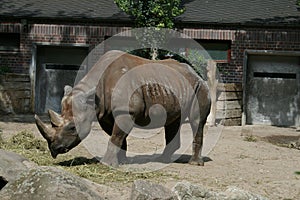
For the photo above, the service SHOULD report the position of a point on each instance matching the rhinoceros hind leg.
(110, 158)
(172, 138)
(197, 129)
(122, 153)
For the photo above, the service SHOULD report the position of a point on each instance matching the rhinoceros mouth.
(54, 154)
(62, 150)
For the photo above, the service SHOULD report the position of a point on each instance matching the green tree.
(156, 13)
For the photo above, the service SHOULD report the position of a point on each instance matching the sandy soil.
(236, 156)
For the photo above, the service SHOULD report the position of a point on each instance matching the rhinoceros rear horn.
(47, 132)
(56, 119)
(67, 90)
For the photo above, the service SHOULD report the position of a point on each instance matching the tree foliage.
(156, 13)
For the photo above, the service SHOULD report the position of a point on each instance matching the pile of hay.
(36, 150)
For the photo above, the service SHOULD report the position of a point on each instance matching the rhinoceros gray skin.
(128, 90)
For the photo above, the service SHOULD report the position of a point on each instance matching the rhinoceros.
(130, 91)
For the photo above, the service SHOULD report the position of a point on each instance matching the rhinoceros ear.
(83, 100)
(56, 119)
(84, 96)
(68, 90)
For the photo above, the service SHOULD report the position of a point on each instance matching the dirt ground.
(235, 156)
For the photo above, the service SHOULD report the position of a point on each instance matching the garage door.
(56, 66)
(272, 90)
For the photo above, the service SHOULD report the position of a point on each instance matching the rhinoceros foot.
(196, 161)
(110, 160)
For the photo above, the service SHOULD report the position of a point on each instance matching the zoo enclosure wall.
(20, 61)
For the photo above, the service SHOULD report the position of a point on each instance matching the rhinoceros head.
(68, 128)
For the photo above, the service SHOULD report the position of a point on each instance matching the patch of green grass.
(297, 172)
(36, 150)
(250, 138)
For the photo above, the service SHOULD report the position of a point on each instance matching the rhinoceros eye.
(70, 127)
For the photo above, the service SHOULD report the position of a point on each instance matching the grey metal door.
(56, 67)
(272, 90)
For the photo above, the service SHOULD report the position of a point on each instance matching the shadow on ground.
(139, 159)
(78, 161)
(283, 140)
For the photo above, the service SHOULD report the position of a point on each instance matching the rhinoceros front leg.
(108, 128)
(121, 128)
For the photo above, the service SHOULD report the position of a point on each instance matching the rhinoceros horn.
(56, 119)
(46, 131)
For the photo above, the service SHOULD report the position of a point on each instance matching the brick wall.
(247, 39)
(19, 61)
(16, 96)
(242, 39)
(229, 103)
(91, 34)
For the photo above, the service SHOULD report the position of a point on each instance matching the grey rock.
(188, 191)
(234, 193)
(144, 190)
(49, 183)
(12, 165)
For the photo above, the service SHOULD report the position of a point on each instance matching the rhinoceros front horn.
(47, 132)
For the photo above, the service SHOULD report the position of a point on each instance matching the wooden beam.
(230, 87)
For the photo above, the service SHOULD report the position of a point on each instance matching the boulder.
(49, 183)
(144, 190)
(12, 165)
(234, 193)
(188, 191)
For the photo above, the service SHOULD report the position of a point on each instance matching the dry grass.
(36, 150)
(250, 138)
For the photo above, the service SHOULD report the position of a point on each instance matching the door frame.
(248, 52)
(32, 68)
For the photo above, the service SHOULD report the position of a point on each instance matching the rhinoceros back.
(133, 85)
